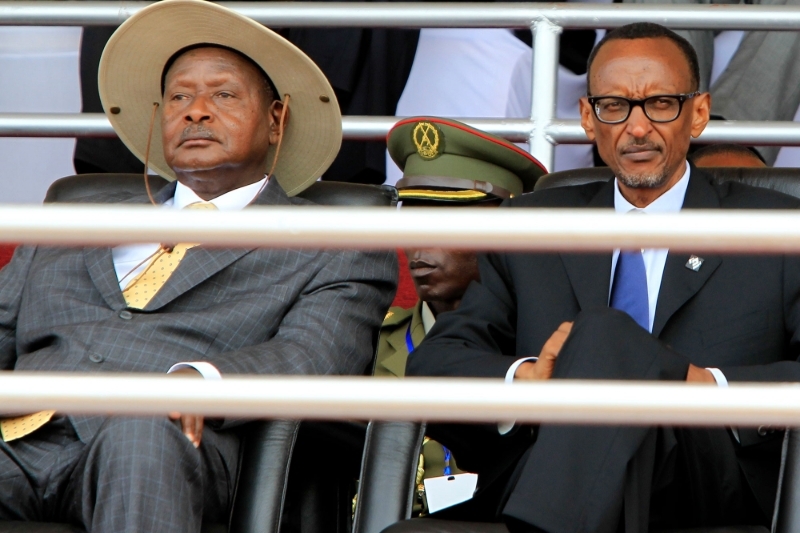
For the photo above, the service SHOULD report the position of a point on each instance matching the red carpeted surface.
(7, 250)
(406, 296)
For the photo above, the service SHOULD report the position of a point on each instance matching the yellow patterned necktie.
(137, 295)
(146, 285)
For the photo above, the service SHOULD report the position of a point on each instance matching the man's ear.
(275, 111)
(587, 117)
(701, 105)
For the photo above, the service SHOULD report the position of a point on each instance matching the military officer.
(445, 164)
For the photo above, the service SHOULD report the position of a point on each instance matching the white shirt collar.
(669, 202)
(234, 200)
(428, 320)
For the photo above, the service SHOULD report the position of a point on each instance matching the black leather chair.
(785, 180)
(267, 445)
(332, 193)
(393, 448)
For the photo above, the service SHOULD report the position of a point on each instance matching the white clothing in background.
(39, 73)
(571, 87)
(459, 73)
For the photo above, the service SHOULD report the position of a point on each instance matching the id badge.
(446, 491)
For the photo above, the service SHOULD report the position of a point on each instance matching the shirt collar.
(669, 202)
(428, 320)
(234, 200)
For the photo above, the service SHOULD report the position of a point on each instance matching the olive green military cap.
(445, 160)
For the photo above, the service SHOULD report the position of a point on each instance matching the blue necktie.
(629, 292)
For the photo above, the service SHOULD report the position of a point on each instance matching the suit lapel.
(100, 265)
(679, 283)
(201, 263)
(590, 274)
(397, 361)
(100, 262)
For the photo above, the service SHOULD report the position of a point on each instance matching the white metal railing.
(542, 131)
(476, 400)
(365, 398)
(694, 231)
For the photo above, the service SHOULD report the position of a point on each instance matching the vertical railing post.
(543, 87)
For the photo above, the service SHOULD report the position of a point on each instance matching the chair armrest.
(263, 473)
(388, 475)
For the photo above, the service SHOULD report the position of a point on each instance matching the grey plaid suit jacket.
(247, 311)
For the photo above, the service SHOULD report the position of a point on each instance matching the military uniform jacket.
(391, 361)
(246, 311)
(392, 343)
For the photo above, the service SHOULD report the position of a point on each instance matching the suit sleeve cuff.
(505, 427)
(207, 370)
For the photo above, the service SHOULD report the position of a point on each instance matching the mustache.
(196, 132)
(640, 145)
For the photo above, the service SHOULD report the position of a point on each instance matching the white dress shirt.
(428, 319)
(654, 258)
(131, 259)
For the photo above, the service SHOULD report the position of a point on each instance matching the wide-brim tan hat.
(134, 58)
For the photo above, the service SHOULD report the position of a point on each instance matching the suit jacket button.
(96, 358)
(763, 431)
(125, 314)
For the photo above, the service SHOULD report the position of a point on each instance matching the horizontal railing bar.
(695, 231)
(367, 128)
(428, 15)
(354, 127)
(364, 398)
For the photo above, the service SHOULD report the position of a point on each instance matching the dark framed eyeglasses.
(658, 108)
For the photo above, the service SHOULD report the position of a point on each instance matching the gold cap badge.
(427, 138)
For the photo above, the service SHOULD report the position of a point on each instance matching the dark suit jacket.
(247, 311)
(738, 313)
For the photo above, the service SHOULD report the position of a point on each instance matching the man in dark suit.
(183, 307)
(698, 317)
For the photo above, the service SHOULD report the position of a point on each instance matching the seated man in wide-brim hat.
(238, 116)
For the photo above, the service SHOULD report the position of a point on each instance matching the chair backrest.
(388, 475)
(74, 188)
(785, 180)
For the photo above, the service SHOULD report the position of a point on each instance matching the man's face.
(217, 123)
(442, 276)
(642, 153)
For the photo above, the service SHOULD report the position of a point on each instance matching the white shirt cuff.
(505, 427)
(207, 370)
(722, 381)
(719, 377)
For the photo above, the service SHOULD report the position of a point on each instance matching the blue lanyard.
(409, 342)
(410, 346)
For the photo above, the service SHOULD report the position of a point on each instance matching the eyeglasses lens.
(612, 109)
(662, 109)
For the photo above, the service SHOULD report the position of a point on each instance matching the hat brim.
(130, 71)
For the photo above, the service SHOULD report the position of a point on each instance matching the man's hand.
(699, 375)
(191, 425)
(543, 368)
